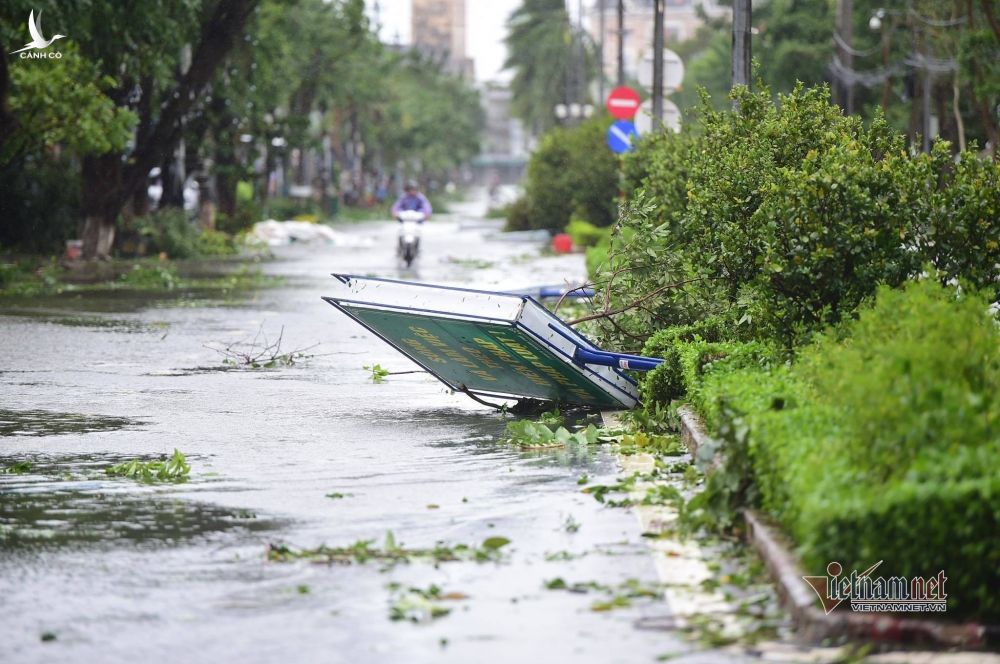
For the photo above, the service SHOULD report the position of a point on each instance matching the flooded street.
(97, 568)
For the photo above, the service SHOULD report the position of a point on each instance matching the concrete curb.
(810, 621)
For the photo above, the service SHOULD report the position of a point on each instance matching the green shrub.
(248, 211)
(520, 215)
(169, 231)
(828, 232)
(918, 379)
(285, 209)
(572, 174)
(40, 204)
(788, 216)
(151, 277)
(918, 529)
(882, 442)
(586, 234)
(640, 264)
(666, 382)
(962, 237)
(214, 243)
(660, 166)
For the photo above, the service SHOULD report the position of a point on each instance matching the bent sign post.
(488, 344)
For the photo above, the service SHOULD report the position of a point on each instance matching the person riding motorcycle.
(411, 210)
(412, 200)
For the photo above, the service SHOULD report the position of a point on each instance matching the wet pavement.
(96, 568)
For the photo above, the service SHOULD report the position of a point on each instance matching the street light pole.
(845, 28)
(658, 63)
(621, 42)
(741, 42)
(600, 53)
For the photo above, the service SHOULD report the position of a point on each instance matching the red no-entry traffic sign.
(623, 102)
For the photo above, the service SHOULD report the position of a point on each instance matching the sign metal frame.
(486, 343)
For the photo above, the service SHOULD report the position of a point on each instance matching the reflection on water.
(73, 518)
(94, 322)
(70, 501)
(49, 423)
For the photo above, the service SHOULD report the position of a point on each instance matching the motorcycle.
(409, 235)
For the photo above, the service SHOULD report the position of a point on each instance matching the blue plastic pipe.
(618, 360)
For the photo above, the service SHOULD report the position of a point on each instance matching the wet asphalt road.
(118, 571)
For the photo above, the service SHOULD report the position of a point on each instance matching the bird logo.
(37, 40)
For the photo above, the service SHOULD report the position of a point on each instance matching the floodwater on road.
(96, 568)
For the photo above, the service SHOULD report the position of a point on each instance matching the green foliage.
(521, 215)
(660, 166)
(420, 605)
(962, 235)
(39, 203)
(63, 102)
(152, 277)
(18, 468)
(586, 234)
(292, 63)
(537, 435)
(174, 469)
(666, 382)
(28, 277)
(919, 379)
(781, 218)
(572, 174)
(879, 443)
(214, 243)
(168, 230)
(644, 265)
(378, 372)
(544, 55)
(391, 552)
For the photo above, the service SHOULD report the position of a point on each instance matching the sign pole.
(600, 52)
(621, 42)
(657, 64)
(741, 42)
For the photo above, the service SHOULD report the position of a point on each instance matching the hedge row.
(787, 215)
(880, 442)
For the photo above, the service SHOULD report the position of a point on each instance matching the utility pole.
(928, 83)
(657, 63)
(600, 54)
(845, 30)
(581, 55)
(621, 42)
(741, 42)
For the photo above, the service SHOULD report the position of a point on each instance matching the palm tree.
(553, 61)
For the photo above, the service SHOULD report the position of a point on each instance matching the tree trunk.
(8, 123)
(140, 198)
(987, 6)
(107, 185)
(101, 203)
(206, 203)
(225, 192)
(218, 35)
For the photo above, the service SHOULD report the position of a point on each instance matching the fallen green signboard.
(483, 343)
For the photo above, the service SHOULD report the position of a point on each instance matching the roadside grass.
(30, 277)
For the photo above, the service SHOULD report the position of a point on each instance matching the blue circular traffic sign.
(621, 136)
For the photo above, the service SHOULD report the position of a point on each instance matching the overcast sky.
(485, 21)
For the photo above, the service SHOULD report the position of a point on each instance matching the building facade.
(438, 30)
(681, 20)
